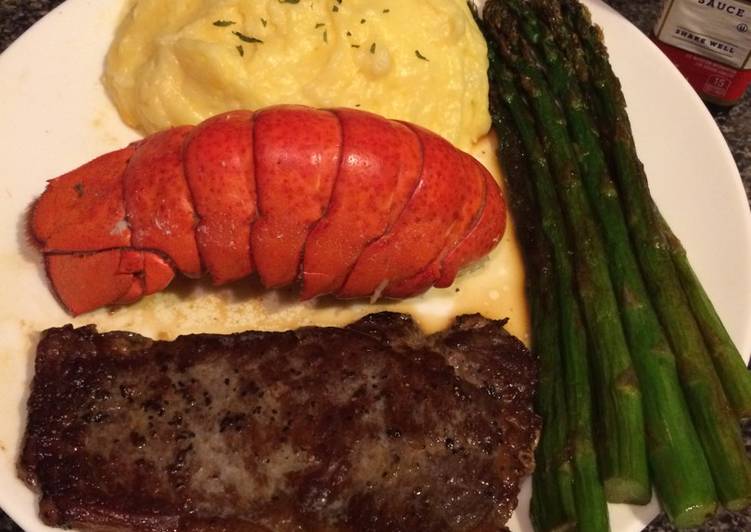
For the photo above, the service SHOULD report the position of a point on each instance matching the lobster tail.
(344, 201)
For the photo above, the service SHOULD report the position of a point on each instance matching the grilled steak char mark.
(374, 426)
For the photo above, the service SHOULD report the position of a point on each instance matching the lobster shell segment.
(297, 153)
(469, 204)
(158, 204)
(343, 201)
(115, 276)
(84, 210)
(484, 234)
(219, 169)
(360, 205)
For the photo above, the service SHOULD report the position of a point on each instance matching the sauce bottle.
(710, 43)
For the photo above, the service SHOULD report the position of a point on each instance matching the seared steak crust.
(370, 427)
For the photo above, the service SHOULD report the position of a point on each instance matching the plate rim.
(46, 23)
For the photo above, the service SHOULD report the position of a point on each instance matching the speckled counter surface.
(17, 15)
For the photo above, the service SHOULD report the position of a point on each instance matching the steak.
(374, 426)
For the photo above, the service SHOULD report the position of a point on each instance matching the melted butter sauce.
(494, 287)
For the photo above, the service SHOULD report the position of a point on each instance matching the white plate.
(54, 115)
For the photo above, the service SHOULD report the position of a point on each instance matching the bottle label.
(716, 29)
(711, 79)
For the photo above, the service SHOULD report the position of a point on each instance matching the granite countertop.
(17, 15)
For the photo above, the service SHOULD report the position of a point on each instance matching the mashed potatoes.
(180, 61)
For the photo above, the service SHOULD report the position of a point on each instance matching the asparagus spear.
(682, 476)
(525, 168)
(735, 377)
(552, 496)
(622, 454)
(551, 507)
(712, 414)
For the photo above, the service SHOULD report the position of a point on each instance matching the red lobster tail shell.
(344, 201)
